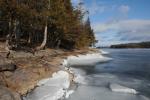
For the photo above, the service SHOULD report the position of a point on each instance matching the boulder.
(6, 64)
(6, 94)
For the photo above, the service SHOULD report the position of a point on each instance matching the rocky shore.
(21, 72)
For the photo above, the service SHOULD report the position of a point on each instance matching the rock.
(8, 73)
(6, 64)
(6, 94)
(20, 54)
(3, 53)
(2, 80)
(24, 80)
(3, 50)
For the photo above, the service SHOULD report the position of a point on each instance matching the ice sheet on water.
(104, 79)
(102, 93)
(97, 87)
(122, 89)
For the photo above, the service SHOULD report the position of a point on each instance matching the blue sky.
(119, 21)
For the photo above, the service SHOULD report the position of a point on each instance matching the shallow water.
(129, 67)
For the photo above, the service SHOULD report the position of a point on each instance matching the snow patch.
(104, 52)
(59, 79)
(52, 88)
(122, 89)
(86, 60)
(79, 79)
(69, 93)
(65, 63)
(78, 75)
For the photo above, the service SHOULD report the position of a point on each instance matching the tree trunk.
(7, 47)
(14, 35)
(44, 40)
(29, 38)
(58, 44)
(8, 37)
(9, 41)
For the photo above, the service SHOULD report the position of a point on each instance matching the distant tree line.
(44, 23)
(132, 45)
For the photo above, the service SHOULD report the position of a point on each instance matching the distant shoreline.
(141, 45)
(120, 48)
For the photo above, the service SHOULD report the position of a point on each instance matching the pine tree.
(89, 32)
(45, 23)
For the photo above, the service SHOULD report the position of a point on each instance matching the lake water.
(128, 67)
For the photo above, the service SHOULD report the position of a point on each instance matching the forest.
(40, 24)
(132, 45)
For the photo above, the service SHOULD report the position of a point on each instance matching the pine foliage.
(23, 23)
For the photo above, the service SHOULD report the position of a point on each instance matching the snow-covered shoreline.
(52, 88)
(89, 59)
(57, 86)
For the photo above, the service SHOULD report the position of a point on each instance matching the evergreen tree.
(44, 23)
(89, 32)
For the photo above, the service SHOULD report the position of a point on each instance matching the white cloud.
(123, 31)
(124, 9)
(98, 7)
(125, 26)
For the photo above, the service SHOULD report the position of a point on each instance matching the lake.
(128, 67)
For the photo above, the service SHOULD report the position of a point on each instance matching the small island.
(132, 45)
